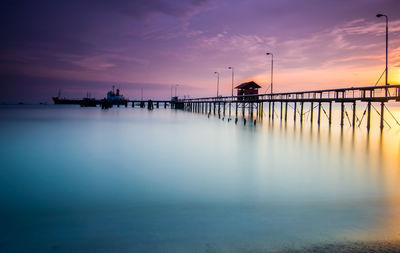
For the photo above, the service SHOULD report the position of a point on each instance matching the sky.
(80, 46)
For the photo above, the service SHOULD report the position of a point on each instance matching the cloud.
(140, 9)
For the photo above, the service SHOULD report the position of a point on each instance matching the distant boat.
(65, 101)
(113, 98)
(116, 98)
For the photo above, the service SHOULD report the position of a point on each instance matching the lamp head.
(379, 15)
(268, 53)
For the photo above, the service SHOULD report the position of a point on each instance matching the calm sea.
(131, 180)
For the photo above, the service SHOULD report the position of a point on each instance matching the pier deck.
(352, 95)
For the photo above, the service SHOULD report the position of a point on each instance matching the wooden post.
(281, 110)
(319, 113)
(258, 109)
(262, 109)
(224, 108)
(273, 110)
(312, 112)
(236, 109)
(295, 109)
(330, 113)
(342, 115)
(286, 105)
(368, 116)
(230, 109)
(269, 109)
(382, 112)
(354, 114)
(301, 111)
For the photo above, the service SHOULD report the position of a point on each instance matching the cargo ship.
(113, 98)
(65, 101)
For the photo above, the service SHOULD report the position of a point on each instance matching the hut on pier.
(245, 90)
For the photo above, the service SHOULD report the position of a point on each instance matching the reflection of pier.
(316, 99)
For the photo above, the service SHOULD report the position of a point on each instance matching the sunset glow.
(84, 46)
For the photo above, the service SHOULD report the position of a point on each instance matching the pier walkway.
(255, 103)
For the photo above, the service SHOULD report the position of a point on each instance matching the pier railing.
(369, 94)
(382, 93)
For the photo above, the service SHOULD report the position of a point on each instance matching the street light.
(176, 90)
(387, 40)
(272, 70)
(217, 81)
(232, 78)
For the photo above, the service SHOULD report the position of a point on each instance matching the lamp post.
(232, 78)
(387, 40)
(272, 70)
(176, 90)
(217, 81)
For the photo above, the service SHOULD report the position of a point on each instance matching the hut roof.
(248, 85)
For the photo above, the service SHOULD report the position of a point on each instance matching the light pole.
(232, 78)
(387, 41)
(217, 81)
(272, 70)
(176, 90)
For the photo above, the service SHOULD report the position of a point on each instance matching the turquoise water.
(131, 180)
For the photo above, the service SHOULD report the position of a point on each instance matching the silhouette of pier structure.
(297, 100)
(149, 104)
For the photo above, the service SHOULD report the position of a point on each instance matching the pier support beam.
(301, 111)
(273, 110)
(281, 109)
(319, 113)
(262, 109)
(258, 109)
(330, 113)
(286, 105)
(312, 112)
(236, 109)
(382, 114)
(295, 111)
(354, 115)
(369, 116)
(342, 114)
(269, 109)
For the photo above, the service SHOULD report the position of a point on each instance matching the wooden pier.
(297, 100)
(316, 99)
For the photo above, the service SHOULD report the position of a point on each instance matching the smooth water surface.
(130, 180)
